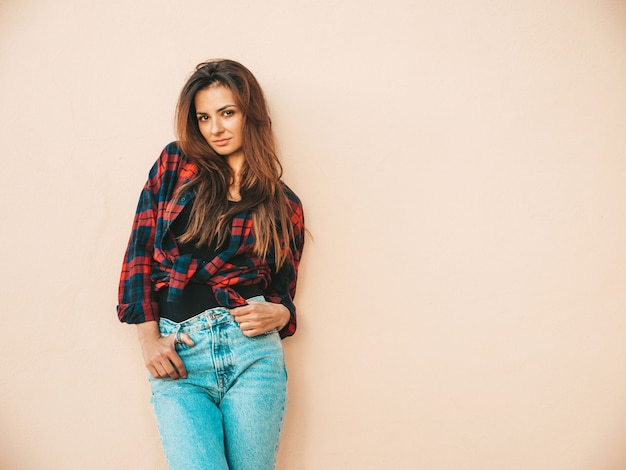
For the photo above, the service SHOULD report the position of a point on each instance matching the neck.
(235, 162)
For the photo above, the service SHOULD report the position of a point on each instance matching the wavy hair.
(260, 188)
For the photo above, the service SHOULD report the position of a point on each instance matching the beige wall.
(463, 170)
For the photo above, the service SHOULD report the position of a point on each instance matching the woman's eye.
(229, 112)
(203, 118)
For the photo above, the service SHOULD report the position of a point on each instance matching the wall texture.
(463, 170)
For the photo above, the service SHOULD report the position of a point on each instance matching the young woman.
(210, 273)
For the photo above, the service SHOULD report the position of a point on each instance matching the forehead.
(213, 98)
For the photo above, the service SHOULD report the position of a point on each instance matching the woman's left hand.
(257, 318)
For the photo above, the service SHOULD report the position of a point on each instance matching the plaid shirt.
(153, 261)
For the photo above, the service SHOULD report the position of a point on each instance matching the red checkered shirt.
(153, 261)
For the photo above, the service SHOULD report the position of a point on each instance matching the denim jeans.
(228, 412)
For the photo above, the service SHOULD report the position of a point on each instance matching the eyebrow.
(201, 113)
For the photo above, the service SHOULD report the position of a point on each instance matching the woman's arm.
(137, 303)
(279, 312)
(136, 299)
(136, 296)
(282, 288)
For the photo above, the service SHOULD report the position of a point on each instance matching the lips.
(221, 142)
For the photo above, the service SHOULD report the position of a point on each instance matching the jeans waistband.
(208, 318)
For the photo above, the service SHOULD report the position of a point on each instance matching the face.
(220, 120)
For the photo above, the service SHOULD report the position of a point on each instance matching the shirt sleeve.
(282, 288)
(137, 303)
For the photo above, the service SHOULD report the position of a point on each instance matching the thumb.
(185, 338)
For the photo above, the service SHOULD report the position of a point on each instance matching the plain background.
(462, 164)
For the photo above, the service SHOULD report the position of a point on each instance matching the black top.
(196, 297)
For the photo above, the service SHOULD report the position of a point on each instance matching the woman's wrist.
(148, 331)
(287, 316)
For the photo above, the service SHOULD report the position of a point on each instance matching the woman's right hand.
(159, 352)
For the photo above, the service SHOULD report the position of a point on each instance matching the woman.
(210, 274)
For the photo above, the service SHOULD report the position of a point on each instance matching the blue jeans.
(228, 412)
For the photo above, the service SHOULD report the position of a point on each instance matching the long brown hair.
(261, 189)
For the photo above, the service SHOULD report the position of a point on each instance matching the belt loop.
(177, 339)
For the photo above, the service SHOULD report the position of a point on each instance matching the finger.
(252, 332)
(185, 338)
(249, 333)
(165, 366)
(244, 325)
(177, 364)
(251, 329)
(154, 372)
(248, 326)
(165, 363)
(248, 317)
(160, 370)
(242, 319)
(243, 310)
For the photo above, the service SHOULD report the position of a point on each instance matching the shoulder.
(170, 155)
(291, 196)
(170, 160)
(295, 206)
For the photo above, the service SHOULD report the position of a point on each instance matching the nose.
(216, 126)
